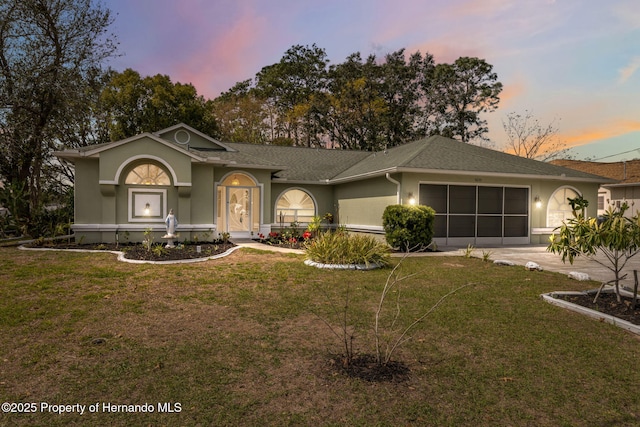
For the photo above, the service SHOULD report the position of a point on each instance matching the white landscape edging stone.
(551, 299)
(371, 266)
(121, 255)
(576, 275)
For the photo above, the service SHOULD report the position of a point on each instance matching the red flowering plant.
(307, 235)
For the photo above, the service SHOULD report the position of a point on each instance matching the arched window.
(147, 174)
(295, 205)
(558, 209)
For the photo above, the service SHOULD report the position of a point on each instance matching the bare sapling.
(390, 334)
(389, 339)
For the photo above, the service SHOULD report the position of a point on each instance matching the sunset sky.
(573, 61)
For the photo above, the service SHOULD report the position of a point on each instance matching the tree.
(373, 106)
(615, 236)
(457, 95)
(354, 109)
(401, 82)
(241, 116)
(289, 86)
(50, 53)
(527, 137)
(134, 105)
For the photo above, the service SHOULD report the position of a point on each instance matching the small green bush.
(408, 228)
(344, 248)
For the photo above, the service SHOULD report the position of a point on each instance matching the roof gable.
(96, 150)
(188, 137)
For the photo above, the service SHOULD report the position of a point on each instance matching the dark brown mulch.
(608, 304)
(157, 253)
(366, 368)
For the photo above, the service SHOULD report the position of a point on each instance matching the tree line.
(362, 104)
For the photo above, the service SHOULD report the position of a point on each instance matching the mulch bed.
(607, 303)
(157, 253)
(366, 368)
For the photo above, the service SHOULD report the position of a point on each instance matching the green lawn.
(240, 341)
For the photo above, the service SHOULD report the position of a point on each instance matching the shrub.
(408, 228)
(344, 248)
(615, 236)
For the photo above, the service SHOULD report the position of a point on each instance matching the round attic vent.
(182, 137)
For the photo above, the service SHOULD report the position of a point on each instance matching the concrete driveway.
(520, 255)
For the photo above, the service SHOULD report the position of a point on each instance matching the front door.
(239, 209)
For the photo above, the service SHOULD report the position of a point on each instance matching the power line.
(618, 154)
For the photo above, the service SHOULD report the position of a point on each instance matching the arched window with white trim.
(558, 208)
(147, 174)
(295, 205)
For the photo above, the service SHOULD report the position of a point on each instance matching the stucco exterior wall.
(202, 196)
(185, 138)
(87, 195)
(114, 161)
(362, 203)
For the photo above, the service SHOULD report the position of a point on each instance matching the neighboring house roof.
(624, 173)
(435, 154)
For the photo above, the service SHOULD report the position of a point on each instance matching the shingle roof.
(432, 154)
(299, 163)
(624, 172)
(437, 153)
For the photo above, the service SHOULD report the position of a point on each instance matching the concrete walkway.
(519, 255)
(248, 243)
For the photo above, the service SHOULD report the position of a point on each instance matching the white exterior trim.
(134, 192)
(261, 225)
(127, 162)
(140, 227)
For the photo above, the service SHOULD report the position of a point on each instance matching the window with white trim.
(295, 206)
(558, 208)
(147, 174)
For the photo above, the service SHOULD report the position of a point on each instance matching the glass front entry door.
(239, 209)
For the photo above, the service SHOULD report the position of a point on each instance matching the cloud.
(614, 129)
(512, 92)
(625, 73)
(223, 61)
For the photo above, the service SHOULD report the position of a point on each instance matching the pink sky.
(573, 60)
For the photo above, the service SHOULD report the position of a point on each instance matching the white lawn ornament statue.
(171, 223)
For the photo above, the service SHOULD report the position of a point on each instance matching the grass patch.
(234, 341)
